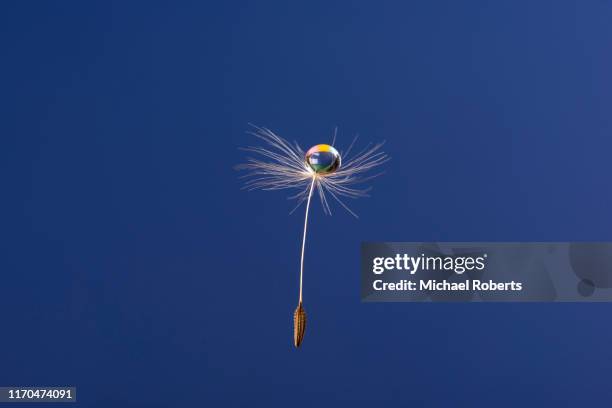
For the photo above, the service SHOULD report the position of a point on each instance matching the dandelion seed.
(282, 165)
(299, 325)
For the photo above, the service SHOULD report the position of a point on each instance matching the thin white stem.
(314, 177)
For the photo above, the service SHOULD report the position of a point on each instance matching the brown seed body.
(299, 325)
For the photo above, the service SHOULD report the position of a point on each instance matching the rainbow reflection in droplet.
(323, 159)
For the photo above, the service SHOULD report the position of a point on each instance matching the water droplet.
(323, 159)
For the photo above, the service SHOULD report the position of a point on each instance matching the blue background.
(134, 267)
